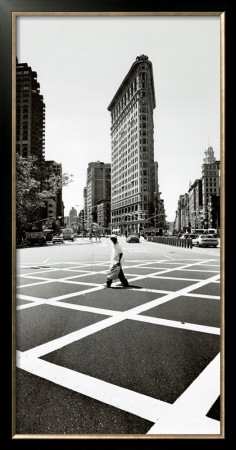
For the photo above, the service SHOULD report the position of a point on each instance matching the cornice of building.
(139, 60)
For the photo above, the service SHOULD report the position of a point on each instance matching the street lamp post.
(155, 218)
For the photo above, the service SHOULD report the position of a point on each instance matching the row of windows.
(131, 118)
(210, 190)
(128, 193)
(125, 202)
(125, 150)
(132, 89)
(141, 96)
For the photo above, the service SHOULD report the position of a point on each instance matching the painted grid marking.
(168, 419)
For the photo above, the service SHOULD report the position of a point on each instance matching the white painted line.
(91, 309)
(199, 270)
(188, 414)
(74, 294)
(169, 257)
(156, 277)
(30, 298)
(144, 307)
(23, 275)
(79, 283)
(65, 340)
(176, 324)
(141, 405)
(51, 346)
(47, 259)
(32, 302)
(44, 281)
(214, 297)
(60, 297)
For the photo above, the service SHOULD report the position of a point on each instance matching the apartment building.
(98, 187)
(30, 115)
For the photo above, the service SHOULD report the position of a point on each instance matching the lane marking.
(176, 324)
(188, 414)
(84, 332)
(156, 277)
(46, 260)
(44, 281)
(141, 405)
(178, 422)
(214, 297)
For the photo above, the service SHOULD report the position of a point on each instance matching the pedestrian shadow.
(126, 287)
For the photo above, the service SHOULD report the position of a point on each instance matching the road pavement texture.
(142, 360)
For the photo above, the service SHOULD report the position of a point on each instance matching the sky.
(82, 60)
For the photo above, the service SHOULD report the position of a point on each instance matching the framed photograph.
(127, 109)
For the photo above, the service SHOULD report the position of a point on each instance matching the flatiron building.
(132, 148)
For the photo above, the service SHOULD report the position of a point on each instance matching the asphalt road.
(143, 360)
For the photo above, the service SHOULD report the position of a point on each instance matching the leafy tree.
(32, 189)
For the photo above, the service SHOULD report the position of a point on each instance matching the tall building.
(98, 188)
(182, 213)
(72, 215)
(104, 215)
(54, 168)
(85, 207)
(132, 148)
(30, 136)
(30, 115)
(195, 204)
(210, 183)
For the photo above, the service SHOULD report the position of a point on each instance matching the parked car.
(207, 240)
(58, 239)
(194, 240)
(188, 236)
(132, 238)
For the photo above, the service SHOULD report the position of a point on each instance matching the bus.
(204, 230)
(212, 230)
(198, 230)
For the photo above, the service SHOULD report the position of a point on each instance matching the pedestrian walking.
(115, 266)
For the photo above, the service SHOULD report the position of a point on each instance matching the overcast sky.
(81, 62)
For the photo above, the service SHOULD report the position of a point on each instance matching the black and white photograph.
(118, 209)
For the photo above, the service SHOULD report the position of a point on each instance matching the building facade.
(30, 116)
(132, 148)
(182, 214)
(200, 208)
(72, 215)
(195, 205)
(210, 184)
(104, 215)
(54, 168)
(98, 187)
(30, 138)
(85, 209)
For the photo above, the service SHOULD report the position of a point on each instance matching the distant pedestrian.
(115, 266)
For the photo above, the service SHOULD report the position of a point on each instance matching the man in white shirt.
(115, 266)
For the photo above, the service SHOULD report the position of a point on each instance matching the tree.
(32, 189)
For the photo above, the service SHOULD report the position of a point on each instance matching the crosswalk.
(154, 284)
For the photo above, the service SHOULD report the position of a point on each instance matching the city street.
(142, 360)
